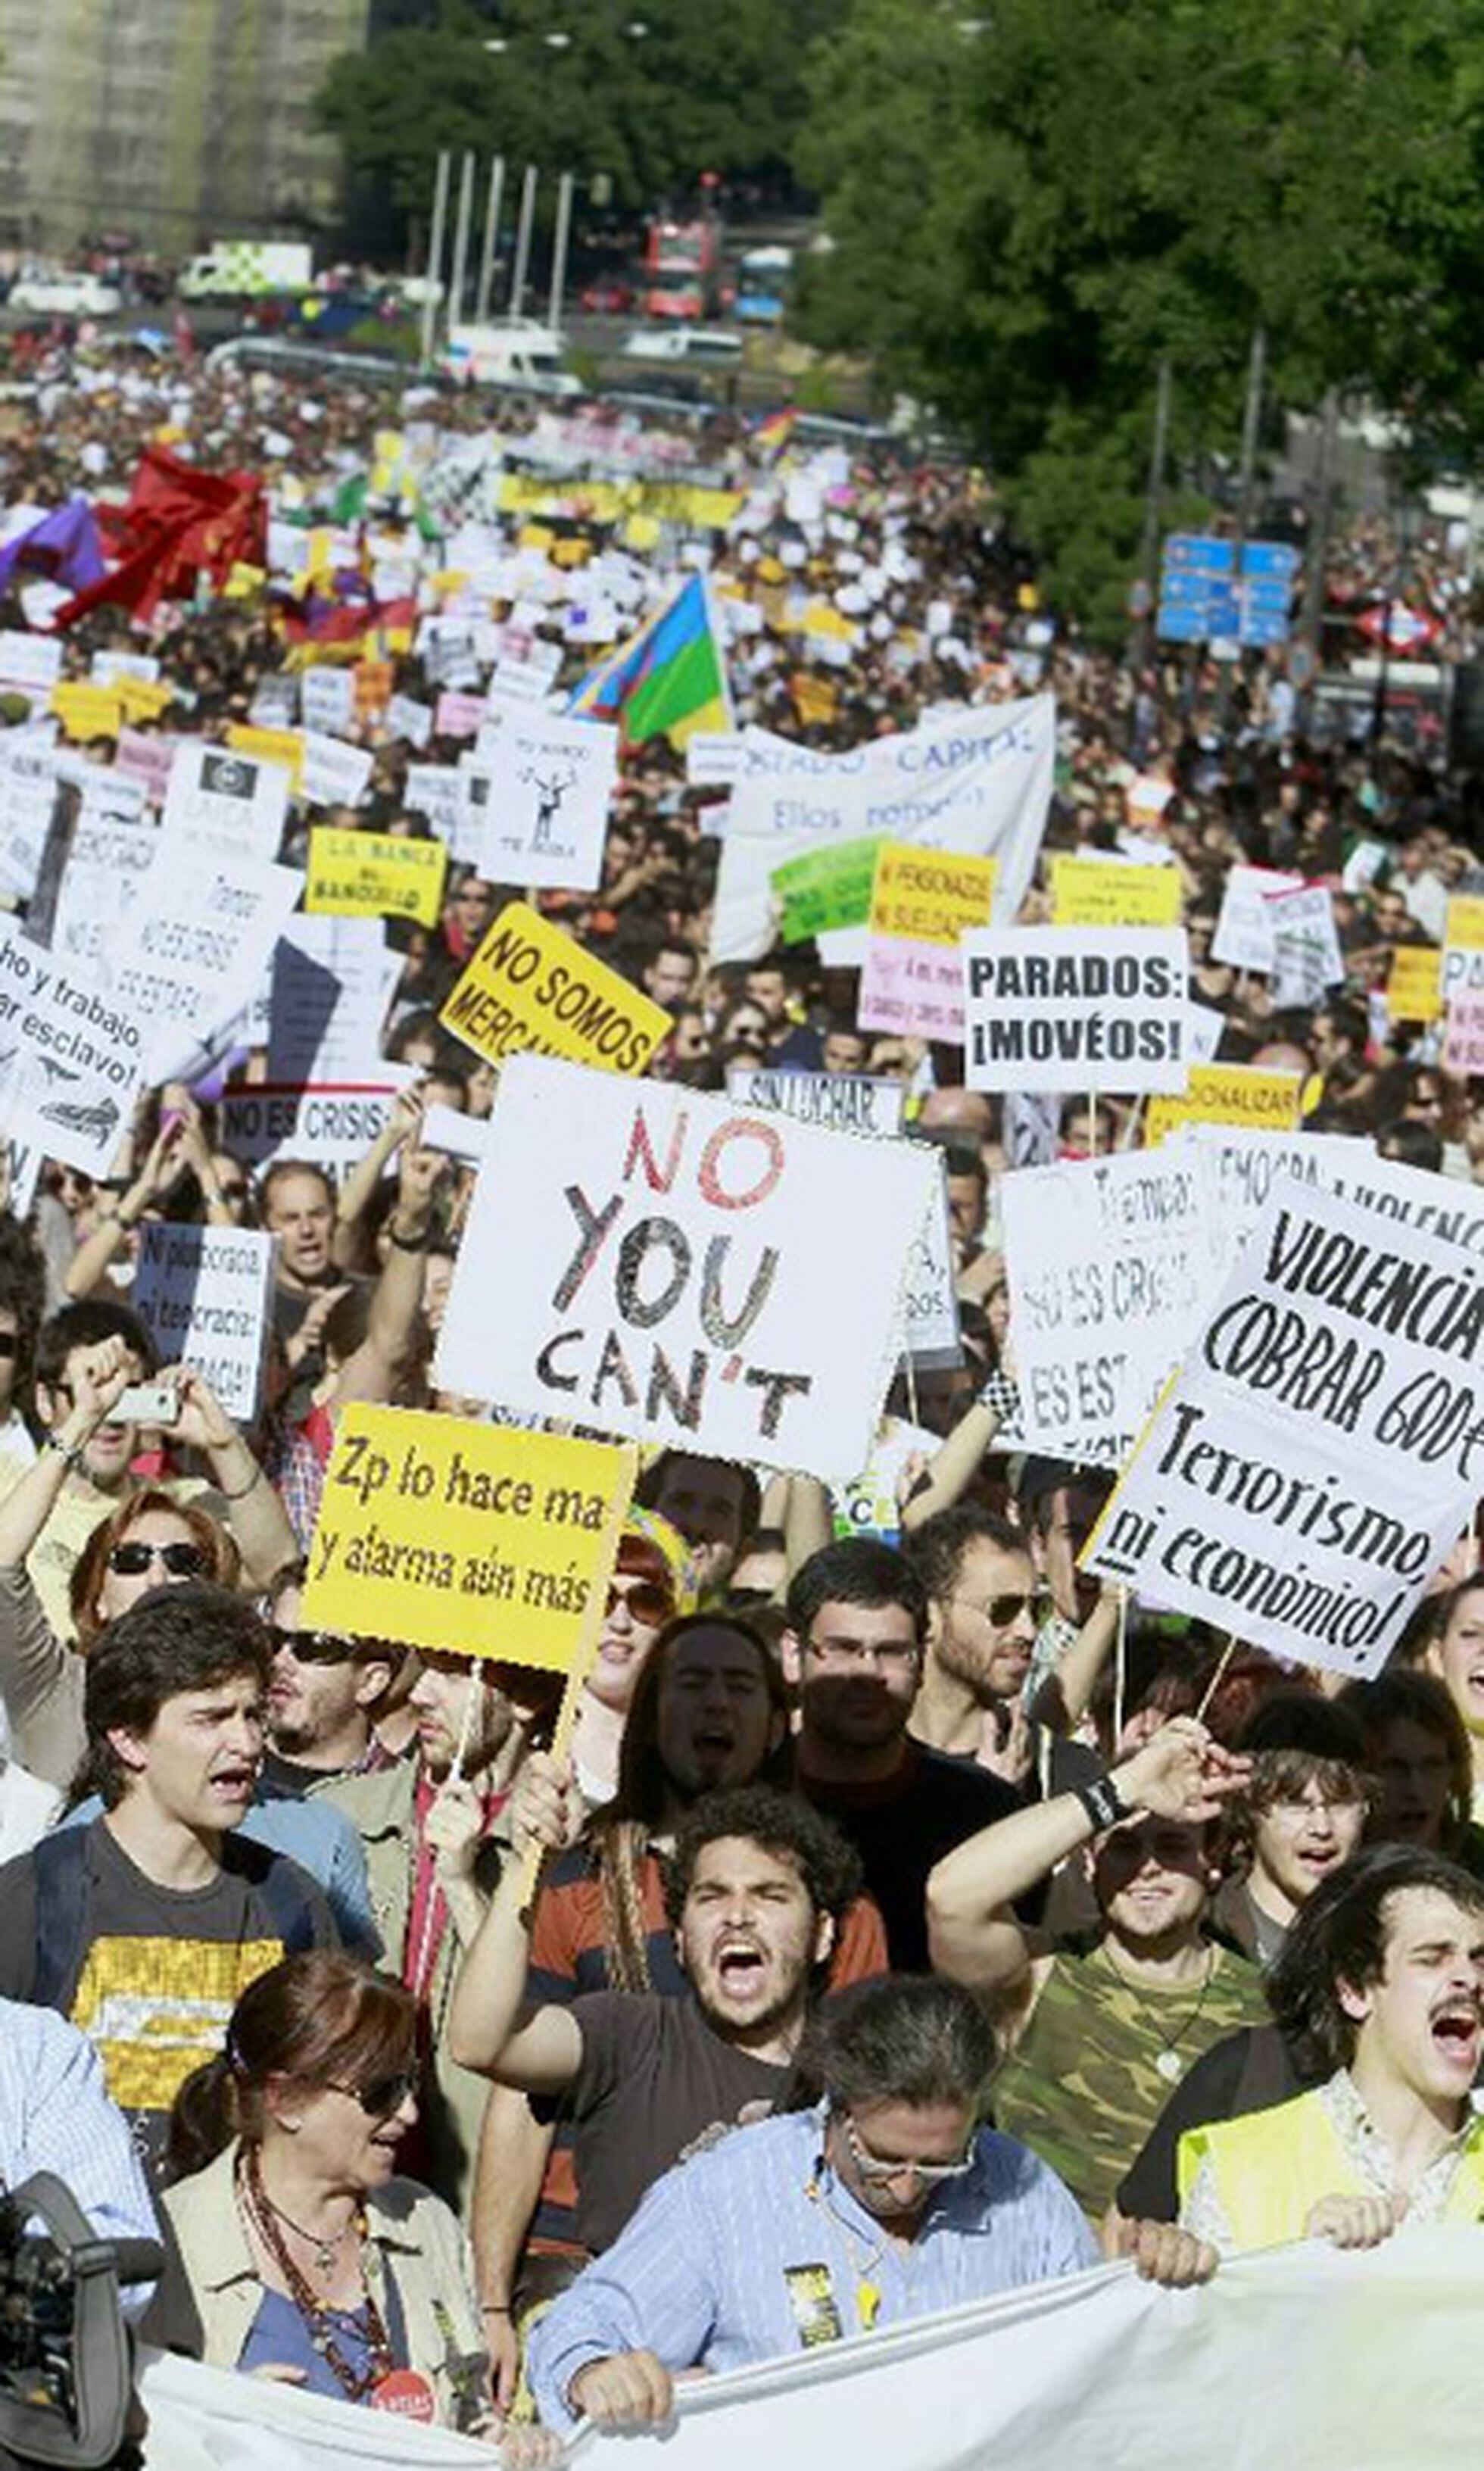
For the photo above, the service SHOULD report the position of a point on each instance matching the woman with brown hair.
(308, 2260)
(148, 1540)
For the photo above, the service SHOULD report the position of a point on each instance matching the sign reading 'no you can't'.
(665, 1264)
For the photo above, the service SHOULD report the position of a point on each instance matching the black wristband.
(407, 1243)
(1102, 1803)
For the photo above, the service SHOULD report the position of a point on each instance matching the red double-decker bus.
(682, 267)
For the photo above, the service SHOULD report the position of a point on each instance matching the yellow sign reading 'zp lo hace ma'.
(530, 990)
(444, 1534)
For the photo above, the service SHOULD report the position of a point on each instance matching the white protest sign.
(929, 1300)
(107, 864)
(71, 1056)
(409, 720)
(233, 805)
(979, 782)
(329, 984)
(460, 1135)
(435, 791)
(1245, 936)
(1238, 1166)
(713, 759)
(671, 1269)
(191, 949)
(335, 774)
(204, 1294)
(848, 1102)
(1203, 1028)
(1322, 1445)
(109, 667)
(1109, 1264)
(547, 809)
(29, 660)
(329, 1127)
(28, 800)
(328, 697)
(1307, 956)
(1076, 1008)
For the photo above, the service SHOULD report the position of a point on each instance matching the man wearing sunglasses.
(322, 1697)
(884, 2202)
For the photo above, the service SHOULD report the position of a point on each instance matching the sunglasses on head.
(130, 1559)
(646, 1601)
(380, 2096)
(312, 1646)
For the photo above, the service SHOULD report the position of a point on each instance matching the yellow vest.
(1273, 2167)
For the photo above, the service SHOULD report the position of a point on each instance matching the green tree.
(700, 89)
(1075, 187)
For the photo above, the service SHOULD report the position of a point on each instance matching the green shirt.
(1101, 2056)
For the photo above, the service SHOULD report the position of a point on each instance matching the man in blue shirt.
(55, 2115)
(884, 2202)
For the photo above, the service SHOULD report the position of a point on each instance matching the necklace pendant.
(1167, 2066)
(320, 2342)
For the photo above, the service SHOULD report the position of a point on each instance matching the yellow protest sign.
(1228, 1094)
(530, 989)
(1465, 929)
(930, 895)
(447, 1533)
(374, 874)
(86, 710)
(143, 698)
(816, 701)
(1102, 892)
(1414, 984)
(283, 746)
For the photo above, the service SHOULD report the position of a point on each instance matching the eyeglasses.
(1294, 1813)
(646, 1601)
(312, 1646)
(1001, 1611)
(380, 2096)
(898, 1652)
(878, 2172)
(130, 1561)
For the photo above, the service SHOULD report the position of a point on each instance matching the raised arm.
(95, 1256)
(1179, 1774)
(373, 1372)
(489, 2028)
(254, 1512)
(347, 1244)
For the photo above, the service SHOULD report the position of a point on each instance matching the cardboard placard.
(824, 888)
(930, 896)
(206, 1296)
(546, 811)
(532, 990)
(71, 1056)
(374, 874)
(1109, 892)
(1319, 1452)
(848, 1102)
(1076, 1008)
(914, 990)
(448, 1534)
(1228, 1094)
(1414, 983)
(671, 1269)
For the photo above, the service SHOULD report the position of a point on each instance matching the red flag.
(179, 523)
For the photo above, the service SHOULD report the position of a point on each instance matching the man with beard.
(321, 1698)
(755, 1894)
(1096, 2040)
(858, 1623)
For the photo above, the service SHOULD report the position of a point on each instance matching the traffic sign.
(1202, 597)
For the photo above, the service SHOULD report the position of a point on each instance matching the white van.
(516, 354)
(703, 346)
(65, 295)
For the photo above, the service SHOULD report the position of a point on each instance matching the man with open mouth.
(756, 1889)
(1390, 1994)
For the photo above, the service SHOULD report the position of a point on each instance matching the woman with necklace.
(308, 2259)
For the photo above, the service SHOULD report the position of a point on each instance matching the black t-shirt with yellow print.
(150, 1975)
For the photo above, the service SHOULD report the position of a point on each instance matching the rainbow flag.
(772, 434)
(667, 680)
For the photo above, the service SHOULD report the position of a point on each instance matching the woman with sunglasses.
(308, 2260)
(652, 1582)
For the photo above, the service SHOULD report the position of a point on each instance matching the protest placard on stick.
(449, 1533)
(206, 1296)
(1076, 1008)
(1320, 1449)
(374, 874)
(671, 1269)
(931, 896)
(530, 989)
(1228, 1094)
(1111, 892)
(71, 1056)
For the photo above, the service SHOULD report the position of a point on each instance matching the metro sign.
(1398, 628)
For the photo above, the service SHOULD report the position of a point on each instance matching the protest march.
(741, 1430)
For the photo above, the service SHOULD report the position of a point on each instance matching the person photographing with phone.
(80, 1538)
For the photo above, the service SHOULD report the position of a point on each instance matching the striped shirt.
(754, 2250)
(55, 2115)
